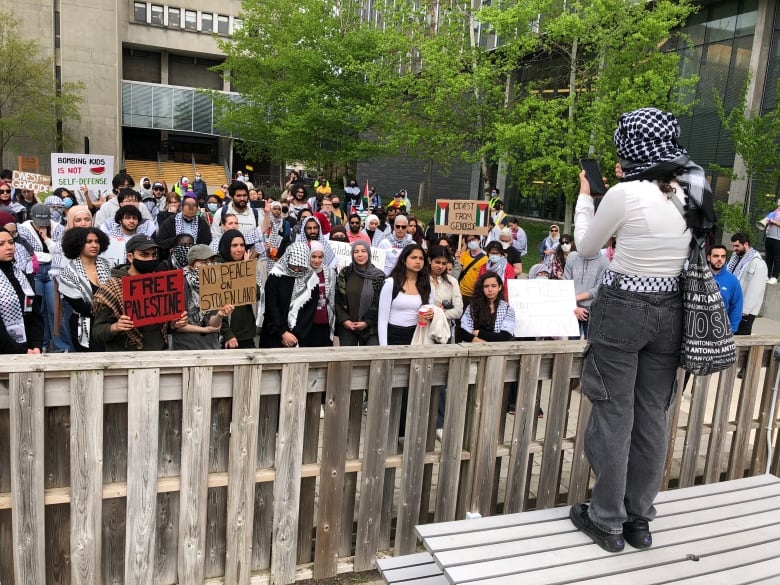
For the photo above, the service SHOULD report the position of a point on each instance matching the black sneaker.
(609, 542)
(637, 533)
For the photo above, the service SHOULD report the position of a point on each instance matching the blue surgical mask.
(212, 207)
(493, 260)
(473, 245)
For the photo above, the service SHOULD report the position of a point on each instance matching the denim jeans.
(629, 375)
(44, 288)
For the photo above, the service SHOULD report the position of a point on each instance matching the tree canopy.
(30, 103)
(534, 83)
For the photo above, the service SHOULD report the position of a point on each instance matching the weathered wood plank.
(216, 515)
(27, 477)
(348, 516)
(373, 473)
(672, 419)
(747, 400)
(522, 434)
(716, 447)
(580, 466)
(758, 459)
(416, 432)
(334, 454)
(484, 455)
(452, 439)
(288, 472)
(388, 495)
(692, 442)
(241, 468)
(57, 475)
(555, 431)
(86, 473)
(263, 530)
(311, 443)
(142, 424)
(196, 421)
(168, 466)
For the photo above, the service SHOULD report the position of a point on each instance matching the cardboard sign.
(228, 283)
(462, 216)
(31, 182)
(96, 171)
(153, 298)
(343, 253)
(544, 308)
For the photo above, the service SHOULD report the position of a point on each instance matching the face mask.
(147, 186)
(56, 216)
(494, 260)
(179, 255)
(473, 245)
(566, 247)
(150, 205)
(505, 245)
(145, 266)
(212, 207)
(68, 203)
(285, 209)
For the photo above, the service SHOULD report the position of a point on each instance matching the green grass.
(534, 229)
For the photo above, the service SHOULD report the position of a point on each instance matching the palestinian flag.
(483, 213)
(442, 212)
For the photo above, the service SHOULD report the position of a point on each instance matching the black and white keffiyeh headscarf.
(646, 141)
(12, 300)
(297, 254)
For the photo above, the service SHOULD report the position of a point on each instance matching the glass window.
(140, 12)
(190, 20)
(223, 24)
(723, 22)
(206, 22)
(174, 17)
(157, 14)
(746, 19)
(182, 109)
(163, 107)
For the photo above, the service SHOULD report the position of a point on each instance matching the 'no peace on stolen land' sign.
(228, 283)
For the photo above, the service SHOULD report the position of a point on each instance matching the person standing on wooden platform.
(636, 324)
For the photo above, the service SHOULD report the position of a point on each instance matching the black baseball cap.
(140, 242)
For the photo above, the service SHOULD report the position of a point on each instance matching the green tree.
(602, 58)
(30, 103)
(304, 71)
(756, 137)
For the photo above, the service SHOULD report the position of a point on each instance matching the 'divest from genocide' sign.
(462, 216)
(153, 298)
(229, 283)
(31, 182)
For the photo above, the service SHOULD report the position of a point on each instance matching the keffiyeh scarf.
(737, 264)
(646, 141)
(297, 254)
(11, 305)
(74, 283)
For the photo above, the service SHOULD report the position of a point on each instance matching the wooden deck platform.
(726, 532)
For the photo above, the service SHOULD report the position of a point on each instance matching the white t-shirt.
(401, 311)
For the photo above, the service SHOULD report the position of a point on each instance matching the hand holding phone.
(593, 174)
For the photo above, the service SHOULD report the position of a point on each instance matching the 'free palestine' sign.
(153, 298)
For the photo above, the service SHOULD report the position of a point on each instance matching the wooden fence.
(181, 468)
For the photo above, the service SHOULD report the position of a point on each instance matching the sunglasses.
(565, 242)
(553, 230)
(5, 190)
(354, 223)
(158, 189)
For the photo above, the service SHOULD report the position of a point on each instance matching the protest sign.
(462, 216)
(543, 308)
(343, 253)
(228, 283)
(153, 298)
(31, 182)
(115, 253)
(96, 171)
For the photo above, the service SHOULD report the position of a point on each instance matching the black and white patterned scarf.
(74, 283)
(11, 306)
(737, 264)
(297, 254)
(646, 141)
(186, 227)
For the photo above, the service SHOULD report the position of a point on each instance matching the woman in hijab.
(241, 330)
(78, 216)
(497, 262)
(357, 298)
(81, 277)
(277, 236)
(20, 312)
(321, 332)
(291, 295)
(636, 321)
